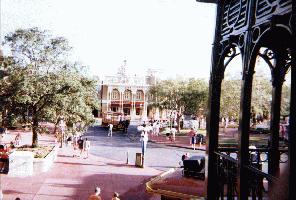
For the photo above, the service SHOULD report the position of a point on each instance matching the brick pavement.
(75, 178)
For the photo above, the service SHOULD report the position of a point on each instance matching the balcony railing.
(227, 165)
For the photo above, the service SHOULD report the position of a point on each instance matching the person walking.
(96, 195)
(75, 146)
(173, 134)
(157, 127)
(80, 145)
(192, 134)
(199, 139)
(144, 140)
(86, 147)
(17, 140)
(110, 130)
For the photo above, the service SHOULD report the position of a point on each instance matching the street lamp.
(141, 112)
(62, 127)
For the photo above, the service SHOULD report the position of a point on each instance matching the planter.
(44, 164)
(23, 163)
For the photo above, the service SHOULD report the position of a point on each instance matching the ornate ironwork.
(265, 8)
(227, 165)
(234, 16)
(264, 28)
(232, 53)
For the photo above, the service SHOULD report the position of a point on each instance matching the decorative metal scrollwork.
(234, 15)
(227, 165)
(268, 56)
(231, 54)
(267, 7)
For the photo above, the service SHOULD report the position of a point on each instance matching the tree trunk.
(4, 117)
(179, 115)
(55, 126)
(35, 129)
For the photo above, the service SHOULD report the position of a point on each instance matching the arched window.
(127, 95)
(139, 95)
(115, 94)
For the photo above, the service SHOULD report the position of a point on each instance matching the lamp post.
(141, 113)
(200, 118)
(62, 127)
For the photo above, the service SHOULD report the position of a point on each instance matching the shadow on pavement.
(131, 187)
(71, 163)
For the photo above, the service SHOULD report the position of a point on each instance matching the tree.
(43, 82)
(230, 98)
(196, 96)
(261, 95)
(180, 96)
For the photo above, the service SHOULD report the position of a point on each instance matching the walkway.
(181, 141)
(75, 178)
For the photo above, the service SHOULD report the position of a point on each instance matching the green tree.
(180, 96)
(196, 96)
(43, 82)
(230, 98)
(285, 102)
(261, 95)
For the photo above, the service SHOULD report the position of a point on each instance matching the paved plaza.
(75, 178)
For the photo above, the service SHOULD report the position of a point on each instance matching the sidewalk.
(181, 141)
(75, 178)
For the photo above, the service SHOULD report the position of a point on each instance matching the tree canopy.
(261, 97)
(180, 96)
(41, 83)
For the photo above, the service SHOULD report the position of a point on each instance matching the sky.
(172, 36)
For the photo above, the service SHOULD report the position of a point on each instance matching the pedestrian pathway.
(75, 178)
(181, 142)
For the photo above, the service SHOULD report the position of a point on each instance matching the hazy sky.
(174, 36)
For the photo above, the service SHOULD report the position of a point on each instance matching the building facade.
(125, 94)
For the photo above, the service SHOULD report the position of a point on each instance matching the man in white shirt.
(144, 138)
(110, 130)
(173, 132)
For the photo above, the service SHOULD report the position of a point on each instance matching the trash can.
(139, 160)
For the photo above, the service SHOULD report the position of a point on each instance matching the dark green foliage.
(42, 84)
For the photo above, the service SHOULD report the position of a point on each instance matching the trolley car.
(119, 121)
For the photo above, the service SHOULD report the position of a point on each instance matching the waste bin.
(139, 160)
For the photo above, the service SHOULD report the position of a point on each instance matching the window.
(127, 95)
(115, 94)
(139, 95)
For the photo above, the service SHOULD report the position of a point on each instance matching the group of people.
(97, 196)
(195, 138)
(152, 127)
(81, 146)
